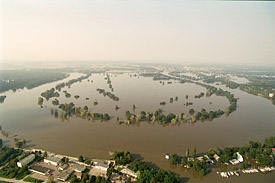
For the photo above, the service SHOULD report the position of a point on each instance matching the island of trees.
(50, 93)
(69, 109)
(109, 94)
(2, 98)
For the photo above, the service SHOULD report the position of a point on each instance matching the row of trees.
(72, 81)
(109, 94)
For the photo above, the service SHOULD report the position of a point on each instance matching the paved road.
(11, 180)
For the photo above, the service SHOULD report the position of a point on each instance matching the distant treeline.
(18, 79)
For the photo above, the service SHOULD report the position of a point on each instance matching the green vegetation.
(144, 172)
(174, 159)
(109, 94)
(18, 79)
(4, 133)
(50, 93)
(72, 81)
(162, 103)
(76, 96)
(200, 95)
(171, 100)
(156, 116)
(67, 95)
(2, 98)
(60, 86)
(261, 86)
(30, 179)
(9, 158)
(40, 100)
(122, 158)
(55, 102)
(70, 109)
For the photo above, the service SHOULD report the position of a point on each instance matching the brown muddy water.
(254, 120)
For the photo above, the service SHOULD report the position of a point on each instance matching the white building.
(271, 95)
(101, 164)
(53, 160)
(26, 160)
(239, 157)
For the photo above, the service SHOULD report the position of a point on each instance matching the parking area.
(54, 169)
(39, 176)
(97, 172)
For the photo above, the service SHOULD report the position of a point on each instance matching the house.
(101, 164)
(167, 156)
(217, 157)
(63, 176)
(78, 168)
(271, 95)
(40, 169)
(26, 160)
(273, 150)
(53, 160)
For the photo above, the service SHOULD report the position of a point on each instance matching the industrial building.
(26, 160)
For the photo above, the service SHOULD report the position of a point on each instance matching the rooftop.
(101, 163)
(78, 167)
(40, 169)
(27, 159)
(53, 159)
(63, 176)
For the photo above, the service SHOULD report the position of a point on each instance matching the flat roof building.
(39, 169)
(101, 164)
(63, 176)
(53, 160)
(26, 160)
(78, 168)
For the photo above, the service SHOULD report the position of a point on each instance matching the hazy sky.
(142, 30)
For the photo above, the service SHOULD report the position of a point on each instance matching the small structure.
(167, 156)
(63, 176)
(101, 164)
(53, 160)
(273, 150)
(26, 160)
(78, 168)
(217, 157)
(63, 167)
(129, 172)
(234, 161)
(271, 95)
(40, 169)
(239, 157)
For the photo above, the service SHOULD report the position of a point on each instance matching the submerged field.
(21, 115)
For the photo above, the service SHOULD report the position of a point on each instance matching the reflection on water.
(253, 120)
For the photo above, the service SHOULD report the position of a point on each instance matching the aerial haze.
(138, 31)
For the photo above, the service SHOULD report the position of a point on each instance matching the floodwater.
(254, 120)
